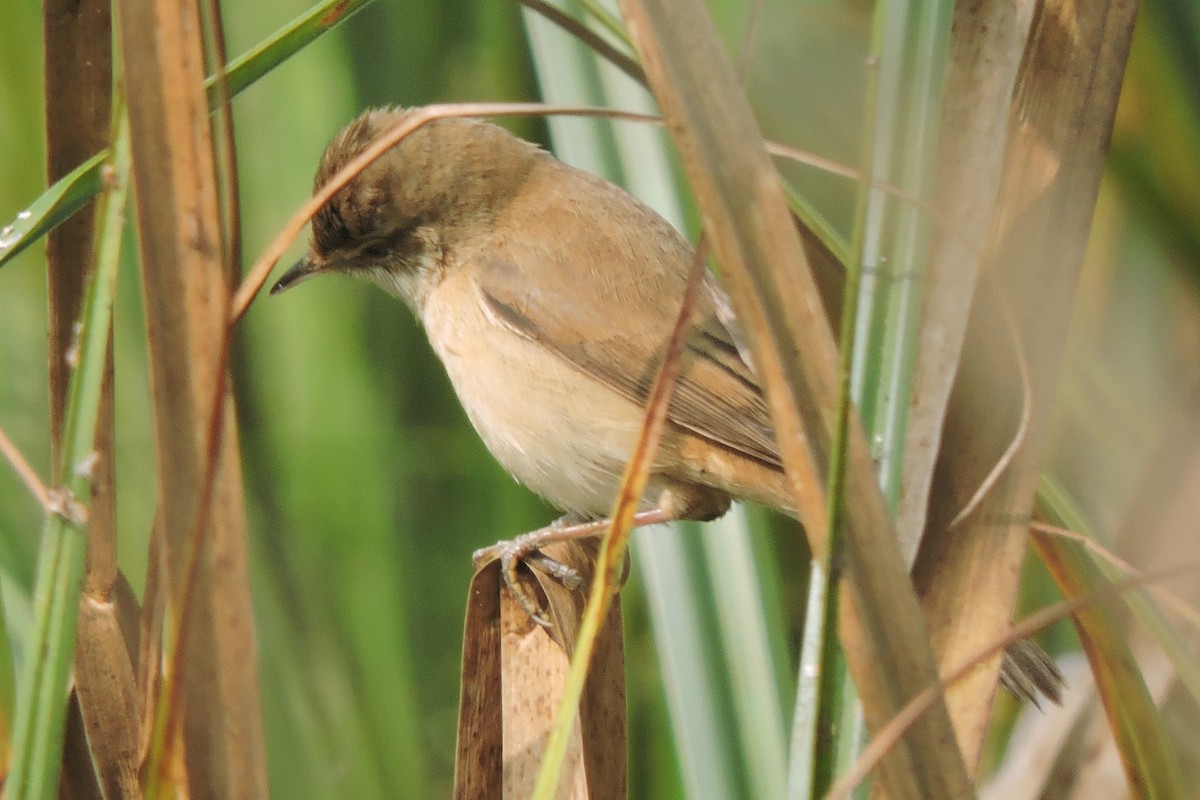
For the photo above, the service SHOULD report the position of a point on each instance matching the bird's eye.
(374, 251)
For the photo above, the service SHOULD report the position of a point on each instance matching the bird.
(549, 295)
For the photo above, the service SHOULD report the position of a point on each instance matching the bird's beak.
(306, 267)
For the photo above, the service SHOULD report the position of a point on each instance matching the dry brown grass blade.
(107, 690)
(513, 675)
(534, 669)
(987, 40)
(1058, 131)
(78, 68)
(150, 637)
(603, 732)
(186, 289)
(78, 61)
(479, 759)
(780, 312)
(77, 780)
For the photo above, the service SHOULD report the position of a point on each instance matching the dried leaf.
(1061, 113)
(186, 289)
(513, 675)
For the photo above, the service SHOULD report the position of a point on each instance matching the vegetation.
(365, 491)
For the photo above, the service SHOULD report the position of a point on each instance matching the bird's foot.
(526, 549)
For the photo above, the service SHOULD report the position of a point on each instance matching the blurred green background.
(366, 488)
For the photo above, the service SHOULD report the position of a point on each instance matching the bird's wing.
(616, 331)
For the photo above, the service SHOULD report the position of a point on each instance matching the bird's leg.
(526, 548)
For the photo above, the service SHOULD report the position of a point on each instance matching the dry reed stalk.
(187, 289)
(1059, 121)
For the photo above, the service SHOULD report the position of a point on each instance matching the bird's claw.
(524, 548)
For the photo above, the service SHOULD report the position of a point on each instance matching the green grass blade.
(73, 191)
(891, 242)
(68, 194)
(282, 45)
(694, 694)
(45, 674)
(878, 340)
(808, 764)
(750, 637)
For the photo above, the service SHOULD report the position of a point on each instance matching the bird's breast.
(560, 432)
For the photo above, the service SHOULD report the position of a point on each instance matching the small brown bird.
(549, 295)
